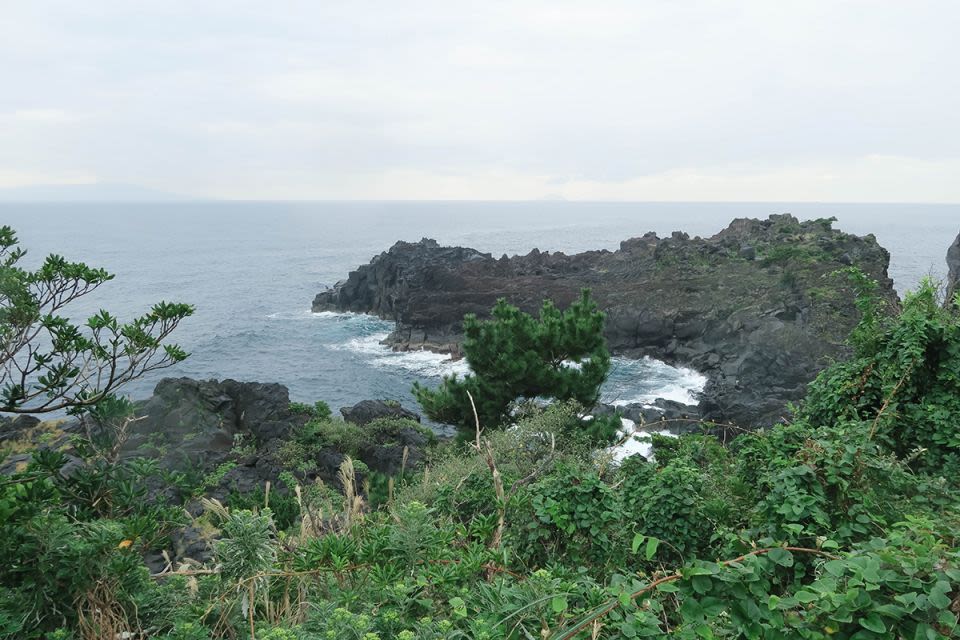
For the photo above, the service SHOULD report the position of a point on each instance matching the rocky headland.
(758, 307)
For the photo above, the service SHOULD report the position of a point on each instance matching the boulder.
(15, 428)
(367, 411)
(195, 424)
(675, 416)
(395, 446)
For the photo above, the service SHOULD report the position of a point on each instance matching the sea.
(251, 269)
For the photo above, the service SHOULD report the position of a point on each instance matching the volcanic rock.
(758, 307)
(953, 266)
(367, 411)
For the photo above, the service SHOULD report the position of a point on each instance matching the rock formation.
(755, 307)
(953, 266)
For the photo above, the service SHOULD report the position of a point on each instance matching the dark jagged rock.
(13, 428)
(402, 447)
(675, 416)
(953, 266)
(367, 411)
(198, 427)
(196, 423)
(753, 307)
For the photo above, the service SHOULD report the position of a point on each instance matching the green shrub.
(247, 544)
(319, 410)
(903, 380)
(576, 516)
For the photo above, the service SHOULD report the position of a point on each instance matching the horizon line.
(211, 200)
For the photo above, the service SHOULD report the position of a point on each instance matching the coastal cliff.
(756, 307)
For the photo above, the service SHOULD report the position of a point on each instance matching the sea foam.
(630, 381)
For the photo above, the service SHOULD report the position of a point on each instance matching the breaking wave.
(630, 381)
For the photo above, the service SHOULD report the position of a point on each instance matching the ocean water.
(252, 270)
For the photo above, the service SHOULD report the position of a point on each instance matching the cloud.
(692, 100)
(868, 179)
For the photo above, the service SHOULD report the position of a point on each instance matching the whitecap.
(425, 363)
(630, 381)
(336, 315)
(422, 362)
(369, 344)
(633, 441)
(643, 381)
(307, 314)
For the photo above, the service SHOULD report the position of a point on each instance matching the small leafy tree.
(561, 355)
(48, 363)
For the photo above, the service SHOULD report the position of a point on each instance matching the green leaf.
(637, 541)
(782, 557)
(702, 584)
(873, 622)
(558, 604)
(651, 550)
(938, 595)
(701, 569)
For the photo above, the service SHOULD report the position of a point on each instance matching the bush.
(319, 410)
(576, 516)
(903, 380)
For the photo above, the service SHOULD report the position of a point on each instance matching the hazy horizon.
(90, 194)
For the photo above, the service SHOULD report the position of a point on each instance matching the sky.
(685, 100)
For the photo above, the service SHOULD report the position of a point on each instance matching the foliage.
(903, 378)
(50, 363)
(319, 410)
(71, 545)
(576, 515)
(246, 547)
(841, 524)
(561, 355)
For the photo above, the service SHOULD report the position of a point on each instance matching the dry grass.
(100, 616)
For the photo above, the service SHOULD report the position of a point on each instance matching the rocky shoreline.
(757, 308)
(229, 438)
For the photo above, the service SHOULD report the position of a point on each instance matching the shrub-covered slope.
(842, 524)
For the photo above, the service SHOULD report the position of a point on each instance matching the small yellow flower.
(125, 544)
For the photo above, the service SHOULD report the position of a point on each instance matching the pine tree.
(561, 355)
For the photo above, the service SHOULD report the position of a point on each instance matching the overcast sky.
(638, 100)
